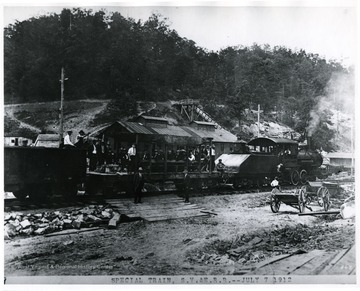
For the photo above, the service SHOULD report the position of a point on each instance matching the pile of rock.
(17, 223)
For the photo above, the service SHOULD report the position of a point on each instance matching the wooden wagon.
(302, 197)
(295, 198)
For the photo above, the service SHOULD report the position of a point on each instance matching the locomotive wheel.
(326, 198)
(303, 176)
(20, 194)
(302, 199)
(274, 203)
(294, 177)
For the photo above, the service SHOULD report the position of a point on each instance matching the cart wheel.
(303, 176)
(326, 198)
(319, 196)
(295, 177)
(302, 199)
(274, 203)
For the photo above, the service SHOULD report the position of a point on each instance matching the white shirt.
(67, 140)
(274, 183)
(132, 151)
(192, 158)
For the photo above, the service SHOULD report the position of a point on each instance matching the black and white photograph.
(179, 143)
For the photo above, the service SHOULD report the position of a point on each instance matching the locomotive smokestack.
(308, 139)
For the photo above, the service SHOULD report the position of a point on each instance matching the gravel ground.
(243, 231)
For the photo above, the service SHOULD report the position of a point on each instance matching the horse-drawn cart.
(302, 197)
(294, 198)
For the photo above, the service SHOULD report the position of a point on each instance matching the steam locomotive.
(264, 158)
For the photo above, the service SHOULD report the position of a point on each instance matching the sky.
(326, 28)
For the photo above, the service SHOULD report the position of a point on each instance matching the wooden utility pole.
(61, 129)
(258, 112)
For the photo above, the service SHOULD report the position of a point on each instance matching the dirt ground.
(193, 246)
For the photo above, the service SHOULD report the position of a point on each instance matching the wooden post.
(61, 128)
(165, 165)
(258, 120)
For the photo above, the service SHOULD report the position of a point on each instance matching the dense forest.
(106, 55)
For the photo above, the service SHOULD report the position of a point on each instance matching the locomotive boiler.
(264, 158)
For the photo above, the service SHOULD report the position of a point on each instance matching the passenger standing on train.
(132, 158)
(101, 151)
(139, 181)
(220, 167)
(212, 157)
(80, 139)
(67, 140)
(205, 158)
(124, 159)
(92, 155)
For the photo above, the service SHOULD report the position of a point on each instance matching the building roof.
(203, 123)
(136, 127)
(217, 135)
(48, 137)
(339, 155)
(47, 140)
(162, 120)
(271, 140)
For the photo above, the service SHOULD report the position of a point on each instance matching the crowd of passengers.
(199, 158)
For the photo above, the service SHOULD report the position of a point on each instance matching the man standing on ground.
(186, 186)
(139, 181)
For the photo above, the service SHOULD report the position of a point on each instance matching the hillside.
(29, 119)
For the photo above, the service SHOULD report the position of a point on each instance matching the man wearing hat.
(80, 139)
(67, 142)
(139, 181)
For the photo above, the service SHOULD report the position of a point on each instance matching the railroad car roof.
(218, 135)
(271, 140)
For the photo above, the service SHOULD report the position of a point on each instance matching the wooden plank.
(164, 218)
(316, 265)
(345, 265)
(114, 220)
(138, 207)
(300, 260)
(72, 231)
(320, 212)
(168, 212)
(172, 213)
(333, 261)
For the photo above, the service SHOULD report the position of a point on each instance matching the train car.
(40, 172)
(264, 158)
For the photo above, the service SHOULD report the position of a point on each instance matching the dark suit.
(139, 181)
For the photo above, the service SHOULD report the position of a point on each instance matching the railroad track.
(82, 200)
